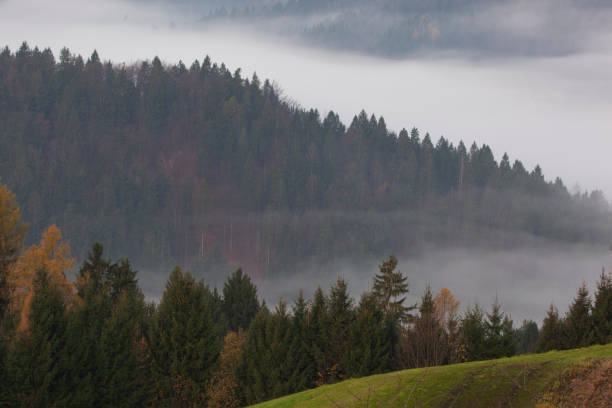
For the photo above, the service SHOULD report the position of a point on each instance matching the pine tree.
(578, 322)
(551, 334)
(240, 302)
(602, 310)
(184, 342)
(390, 288)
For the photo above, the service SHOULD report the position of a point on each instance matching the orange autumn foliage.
(222, 391)
(445, 307)
(52, 255)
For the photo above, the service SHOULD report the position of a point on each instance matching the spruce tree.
(551, 334)
(122, 361)
(472, 335)
(526, 337)
(240, 302)
(578, 322)
(371, 340)
(300, 361)
(390, 289)
(319, 341)
(184, 342)
(499, 334)
(602, 310)
(341, 316)
(44, 348)
(253, 372)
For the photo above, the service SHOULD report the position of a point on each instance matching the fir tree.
(45, 366)
(551, 334)
(240, 302)
(526, 337)
(499, 334)
(183, 340)
(319, 341)
(472, 335)
(578, 323)
(602, 310)
(341, 316)
(253, 372)
(371, 341)
(303, 372)
(390, 289)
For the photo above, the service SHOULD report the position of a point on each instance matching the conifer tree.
(303, 372)
(341, 316)
(390, 289)
(371, 341)
(551, 334)
(121, 356)
(319, 341)
(578, 322)
(279, 333)
(43, 368)
(184, 342)
(602, 310)
(472, 335)
(499, 333)
(240, 302)
(526, 337)
(253, 372)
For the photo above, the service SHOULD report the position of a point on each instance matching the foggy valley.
(536, 108)
(178, 179)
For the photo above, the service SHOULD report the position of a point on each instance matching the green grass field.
(535, 380)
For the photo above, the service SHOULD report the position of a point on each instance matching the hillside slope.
(206, 168)
(579, 377)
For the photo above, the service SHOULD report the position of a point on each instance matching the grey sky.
(555, 111)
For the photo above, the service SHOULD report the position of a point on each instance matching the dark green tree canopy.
(240, 302)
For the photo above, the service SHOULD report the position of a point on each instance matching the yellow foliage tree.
(53, 255)
(222, 391)
(12, 234)
(445, 307)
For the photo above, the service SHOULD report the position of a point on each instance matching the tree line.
(96, 341)
(208, 168)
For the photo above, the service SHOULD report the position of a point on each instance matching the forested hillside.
(201, 166)
(404, 28)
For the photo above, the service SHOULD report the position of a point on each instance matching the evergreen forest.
(200, 166)
(96, 341)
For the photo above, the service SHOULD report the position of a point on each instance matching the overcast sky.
(555, 111)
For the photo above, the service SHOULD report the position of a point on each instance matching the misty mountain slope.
(200, 166)
(396, 28)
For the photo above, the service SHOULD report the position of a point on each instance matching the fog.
(525, 280)
(553, 111)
